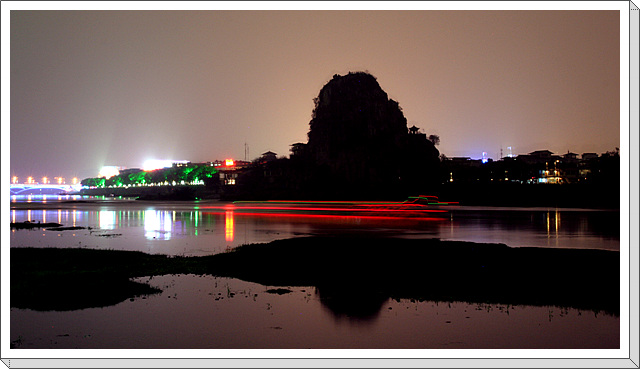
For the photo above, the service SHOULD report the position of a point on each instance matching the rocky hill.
(361, 137)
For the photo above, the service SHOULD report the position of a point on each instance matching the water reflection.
(346, 314)
(357, 305)
(297, 321)
(42, 198)
(65, 217)
(107, 219)
(228, 225)
(553, 225)
(232, 225)
(157, 224)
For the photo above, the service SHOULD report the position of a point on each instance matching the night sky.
(94, 88)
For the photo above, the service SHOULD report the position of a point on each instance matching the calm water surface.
(209, 227)
(209, 312)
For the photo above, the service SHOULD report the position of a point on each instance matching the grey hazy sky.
(93, 88)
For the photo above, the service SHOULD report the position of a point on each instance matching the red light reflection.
(331, 209)
(229, 227)
(325, 216)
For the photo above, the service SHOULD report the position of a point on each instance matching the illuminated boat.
(426, 200)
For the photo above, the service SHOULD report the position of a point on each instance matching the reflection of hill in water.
(352, 302)
(345, 268)
(354, 276)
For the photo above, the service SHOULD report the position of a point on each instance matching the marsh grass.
(347, 271)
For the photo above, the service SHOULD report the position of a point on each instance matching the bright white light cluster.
(109, 171)
(153, 164)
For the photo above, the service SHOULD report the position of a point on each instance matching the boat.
(427, 200)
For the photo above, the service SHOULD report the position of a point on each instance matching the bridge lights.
(30, 180)
(74, 180)
(60, 180)
(14, 180)
(45, 180)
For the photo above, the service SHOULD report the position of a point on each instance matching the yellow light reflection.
(555, 224)
(13, 216)
(228, 226)
(548, 226)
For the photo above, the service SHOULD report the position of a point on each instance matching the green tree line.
(192, 174)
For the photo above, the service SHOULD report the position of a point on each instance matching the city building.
(537, 167)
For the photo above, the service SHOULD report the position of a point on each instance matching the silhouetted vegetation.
(359, 147)
(180, 193)
(176, 175)
(352, 275)
(32, 225)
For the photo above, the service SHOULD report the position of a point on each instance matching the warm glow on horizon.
(513, 84)
(153, 164)
(109, 171)
(229, 162)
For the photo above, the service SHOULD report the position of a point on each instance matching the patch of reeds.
(342, 268)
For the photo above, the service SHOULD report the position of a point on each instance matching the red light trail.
(334, 209)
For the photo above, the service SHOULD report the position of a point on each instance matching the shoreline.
(352, 273)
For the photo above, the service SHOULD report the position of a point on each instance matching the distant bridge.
(26, 189)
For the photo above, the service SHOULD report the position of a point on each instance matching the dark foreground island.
(350, 273)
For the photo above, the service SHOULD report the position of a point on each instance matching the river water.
(212, 312)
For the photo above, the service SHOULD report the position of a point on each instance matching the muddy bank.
(350, 273)
(48, 226)
(33, 225)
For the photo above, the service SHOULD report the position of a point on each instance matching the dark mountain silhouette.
(359, 147)
(361, 137)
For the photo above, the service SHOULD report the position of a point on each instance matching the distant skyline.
(95, 88)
